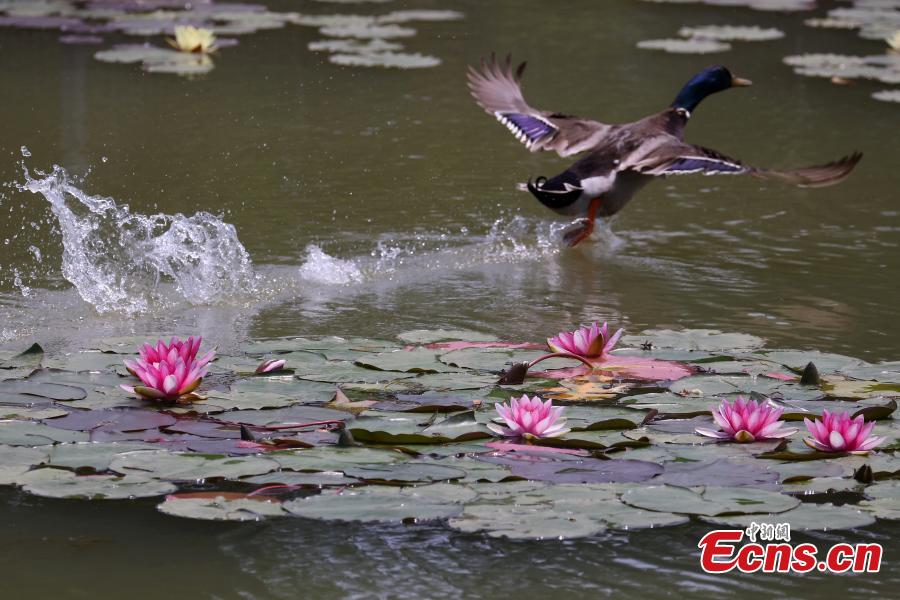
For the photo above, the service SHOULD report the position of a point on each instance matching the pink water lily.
(589, 341)
(169, 371)
(530, 417)
(186, 350)
(838, 432)
(267, 366)
(747, 421)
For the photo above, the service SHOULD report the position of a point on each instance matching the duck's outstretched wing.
(685, 159)
(496, 88)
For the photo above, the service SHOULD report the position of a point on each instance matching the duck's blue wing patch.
(528, 129)
(702, 164)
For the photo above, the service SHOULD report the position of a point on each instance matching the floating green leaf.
(805, 517)
(190, 467)
(709, 501)
(15, 461)
(221, 506)
(384, 504)
(56, 483)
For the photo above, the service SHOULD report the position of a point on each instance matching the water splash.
(509, 240)
(117, 260)
(320, 267)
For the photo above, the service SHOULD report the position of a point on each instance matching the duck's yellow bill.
(740, 82)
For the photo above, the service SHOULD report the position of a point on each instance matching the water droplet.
(25, 151)
(103, 159)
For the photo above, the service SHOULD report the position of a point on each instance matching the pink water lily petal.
(529, 417)
(838, 432)
(713, 434)
(589, 341)
(746, 421)
(169, 370)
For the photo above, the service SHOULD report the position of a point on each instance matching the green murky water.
(372, 201)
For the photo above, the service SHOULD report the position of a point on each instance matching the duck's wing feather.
(497, 89)
(676, 158)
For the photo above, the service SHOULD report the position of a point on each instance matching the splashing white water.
(117, 259)
(320, 267)
(510, 240)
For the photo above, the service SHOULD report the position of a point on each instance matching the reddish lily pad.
(115, 419)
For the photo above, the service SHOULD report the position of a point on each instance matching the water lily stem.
(561, 355)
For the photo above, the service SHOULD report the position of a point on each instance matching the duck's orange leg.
(585, 227)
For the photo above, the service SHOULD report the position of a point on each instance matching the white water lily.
(193, 39)
(894, 40)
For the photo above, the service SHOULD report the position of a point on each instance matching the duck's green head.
(706, 82)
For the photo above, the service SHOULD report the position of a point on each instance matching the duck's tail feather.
(556, 193)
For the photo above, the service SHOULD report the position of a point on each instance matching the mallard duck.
(621, 159)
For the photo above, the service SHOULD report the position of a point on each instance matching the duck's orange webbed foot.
(578, 232)
(583, 229)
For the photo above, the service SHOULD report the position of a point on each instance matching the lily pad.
(30, 358)
(806, 517)
(719, 472)
(406, 472)
(284, 416)
(715, 385)
(158, 60)
(534, 511)
(366, 30)
(708, 340)
(384, 504)
(347, 372)
(732, 33)
(571, 469)
(293, 478)
(883, 68)
(56, 483)
(496, 359)
(709, 501)
(408, 428)
(221, 506)
(95, 456)
(351, 45)
(15, 461)
(121, 419)
(430, 336)
(405, 16)
(887, 95)
(50, 391)
(336, 459)
(413, 361)
(24, 433)
(525, 522)
(390, 60)
(190, 467)
(688, 46)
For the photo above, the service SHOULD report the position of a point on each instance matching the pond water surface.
(373, 201)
